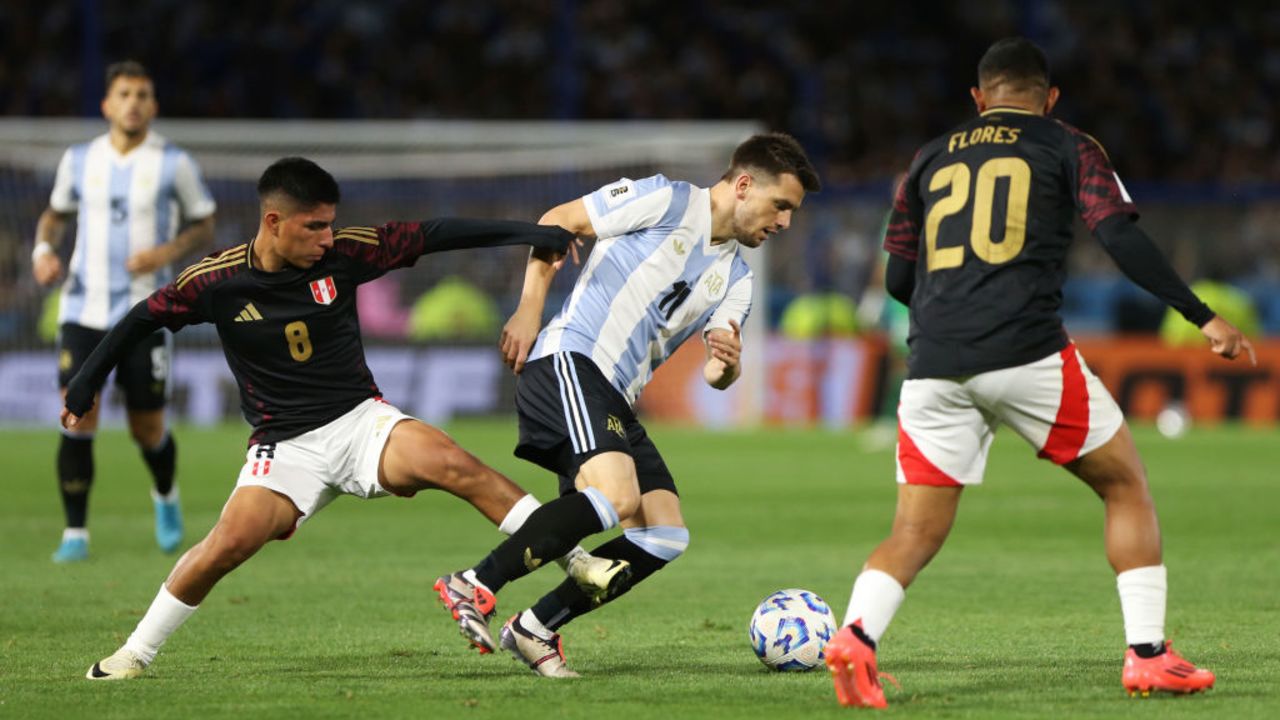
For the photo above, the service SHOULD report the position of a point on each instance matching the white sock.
(530, 622)
(875, 598)
(75, 534)
(1142, 601)
(166, 614)
(518, 513)
(470, 576)
(517, 516)
(171, 497)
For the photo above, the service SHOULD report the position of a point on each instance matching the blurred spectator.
(1190, 91)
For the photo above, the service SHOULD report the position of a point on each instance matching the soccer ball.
(790, 629)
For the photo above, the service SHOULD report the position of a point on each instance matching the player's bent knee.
(664, 542)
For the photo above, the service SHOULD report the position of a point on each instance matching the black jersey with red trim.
(986, 213)
(292, 337)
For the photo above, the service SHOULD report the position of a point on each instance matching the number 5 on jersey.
(299, 339)
(956, 177)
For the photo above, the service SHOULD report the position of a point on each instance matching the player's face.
(130, 104)
(764, 206)
(305, 235)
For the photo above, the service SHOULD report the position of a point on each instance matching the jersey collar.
(1005, 109)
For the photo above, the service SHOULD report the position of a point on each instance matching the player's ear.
(271, 220)
(1051, 99)
(742, 184)
(978, 100)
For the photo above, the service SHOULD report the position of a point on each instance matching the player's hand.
(518, 336)
(69, 419)
(47, 269)
(571, 251)
(1226, 340)
(146, 261)
(726, 346)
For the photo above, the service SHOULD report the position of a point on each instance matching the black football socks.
(567, 601)
(75, 477)
(1148, 650)
(161, 462)
(551, 531)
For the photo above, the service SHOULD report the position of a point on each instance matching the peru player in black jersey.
(978, 247)
(284, 306)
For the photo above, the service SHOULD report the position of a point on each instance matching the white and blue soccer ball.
(790, 629)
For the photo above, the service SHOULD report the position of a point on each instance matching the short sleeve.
(736, 304)
(193, 195)
(628, 205)
(64, 198)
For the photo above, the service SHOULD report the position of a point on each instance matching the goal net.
(435, 357)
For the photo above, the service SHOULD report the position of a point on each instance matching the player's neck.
(721, 212)
(265, 257)
(124, 142)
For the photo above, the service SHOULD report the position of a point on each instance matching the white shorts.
(945, 426)
(340, 458)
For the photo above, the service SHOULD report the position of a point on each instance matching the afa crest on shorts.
(323, 290)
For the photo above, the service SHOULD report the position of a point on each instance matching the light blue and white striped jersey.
(123, 204)
(652, 280)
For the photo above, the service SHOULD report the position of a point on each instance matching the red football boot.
(853, 669)
(1168, 671)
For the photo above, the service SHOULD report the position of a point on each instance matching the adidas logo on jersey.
(248, 314)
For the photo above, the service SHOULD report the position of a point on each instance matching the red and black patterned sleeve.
(1099, 193)
(902, 234)
(400, 244)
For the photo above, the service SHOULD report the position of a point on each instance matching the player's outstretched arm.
(132, 329)
(1226, 340)
(724, 356)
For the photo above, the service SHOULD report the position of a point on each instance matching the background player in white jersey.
(666, 266)
(129, 190)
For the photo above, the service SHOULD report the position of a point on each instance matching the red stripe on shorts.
(916, 468)
(1070, 429)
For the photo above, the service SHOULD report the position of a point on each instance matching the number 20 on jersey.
(957, 180)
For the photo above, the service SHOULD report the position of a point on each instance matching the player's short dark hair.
(303, 181)
(125, 68)
(775, 153)
(1015, 61)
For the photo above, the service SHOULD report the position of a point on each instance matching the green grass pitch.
(1017, 617)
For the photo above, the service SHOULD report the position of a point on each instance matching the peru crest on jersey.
(323, 290)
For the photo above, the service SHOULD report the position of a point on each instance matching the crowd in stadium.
(1190, 93)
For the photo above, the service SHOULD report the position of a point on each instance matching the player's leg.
(75, 466)
(608, 492)
(943, 440)
(1064, 411)
(652, 538)
(1132, 537)
(251, 518)
(570, 423)
(143, 375)
(418, 457)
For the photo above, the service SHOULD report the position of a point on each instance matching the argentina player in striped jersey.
(666, 266)
(129, 190)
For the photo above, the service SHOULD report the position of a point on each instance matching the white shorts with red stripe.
(340, 458)
(945, 426)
